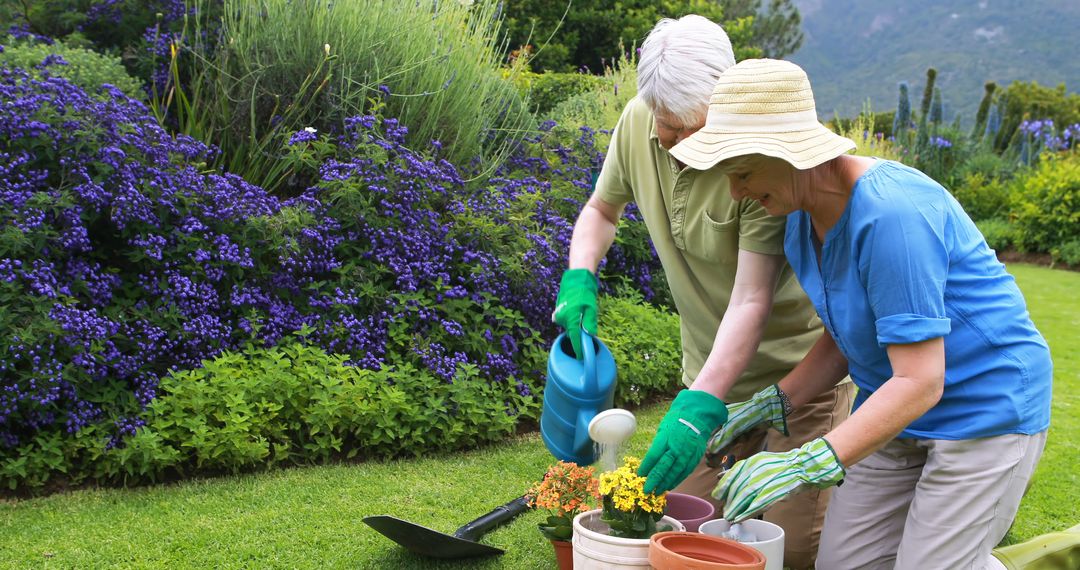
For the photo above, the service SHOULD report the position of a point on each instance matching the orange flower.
(566, 490)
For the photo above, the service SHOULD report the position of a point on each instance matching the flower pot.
(595, 550)
(770, 538)
(564, 554)
(681, 550)
(689, 510)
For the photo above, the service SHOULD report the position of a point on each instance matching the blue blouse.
(906, 264)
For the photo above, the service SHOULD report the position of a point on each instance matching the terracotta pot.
(685, 550)
(689, 510)
(564, 554)
(595, 549)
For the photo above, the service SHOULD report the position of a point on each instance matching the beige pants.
(926, 504)
(801, 516)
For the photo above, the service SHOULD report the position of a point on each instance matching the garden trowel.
(462, 544)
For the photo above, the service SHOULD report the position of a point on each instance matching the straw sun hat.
(762, 106)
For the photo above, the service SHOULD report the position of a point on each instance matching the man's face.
(671, 131)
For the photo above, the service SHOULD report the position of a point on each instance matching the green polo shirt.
(698, 230)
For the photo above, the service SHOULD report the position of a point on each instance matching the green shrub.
(1045, 204)
(1068, 252)
(1023, 101)
(999, 233)
(598, 108)
(870, 122)
(938, 151)
(85, 68)
(645, 342)
(982, 197)
(869, 141)
(295, 404)
(546, 90)
(113, 25)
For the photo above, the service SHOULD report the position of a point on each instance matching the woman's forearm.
(916, 386)
(743, 324)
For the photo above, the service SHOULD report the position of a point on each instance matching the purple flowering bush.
(125, 261)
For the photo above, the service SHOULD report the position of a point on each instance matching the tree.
(777, 30)
(571, 35)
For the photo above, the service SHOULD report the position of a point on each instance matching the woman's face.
(768, 180)
(671, 131)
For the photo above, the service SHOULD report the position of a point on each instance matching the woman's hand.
(754, 484)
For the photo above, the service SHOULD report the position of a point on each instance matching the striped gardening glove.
(764, 408)
(754, 484)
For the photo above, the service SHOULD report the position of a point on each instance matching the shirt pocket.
(713, 240)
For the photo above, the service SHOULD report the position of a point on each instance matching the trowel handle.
(473, 531)
(589, 348)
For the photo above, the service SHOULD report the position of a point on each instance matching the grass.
(311, 517)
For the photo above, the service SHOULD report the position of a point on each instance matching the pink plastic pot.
(689, 510)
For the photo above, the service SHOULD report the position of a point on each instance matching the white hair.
(679, 64)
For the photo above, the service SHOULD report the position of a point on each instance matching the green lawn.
(311, 517)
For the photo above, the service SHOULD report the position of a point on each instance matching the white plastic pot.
(594, 549)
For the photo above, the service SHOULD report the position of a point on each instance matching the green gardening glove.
(754, 484)
(575, 307)
(680, 440)
(765, 407)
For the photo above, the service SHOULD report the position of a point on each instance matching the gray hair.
(679, 64)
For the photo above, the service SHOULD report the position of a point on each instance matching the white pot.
(770, 538)
(594, 549)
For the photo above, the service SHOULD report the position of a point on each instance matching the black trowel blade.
(427, 542)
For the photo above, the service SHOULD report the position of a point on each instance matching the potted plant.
(565, 491)
(617, 535)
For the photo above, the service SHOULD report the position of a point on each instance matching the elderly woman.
(954, 379)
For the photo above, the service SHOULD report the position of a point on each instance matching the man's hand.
(680, 440)
(754, 484)
(575, 307)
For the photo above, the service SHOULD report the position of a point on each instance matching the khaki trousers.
(801, 516)
(927, 504)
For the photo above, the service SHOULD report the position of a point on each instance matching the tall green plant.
(984, 111)
(266, 70)
(928, 92)
(902, 119)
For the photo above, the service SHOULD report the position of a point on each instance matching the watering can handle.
(589, 350)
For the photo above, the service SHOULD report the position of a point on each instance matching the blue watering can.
(576, 391)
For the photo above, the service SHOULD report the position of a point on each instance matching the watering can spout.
(576, 391)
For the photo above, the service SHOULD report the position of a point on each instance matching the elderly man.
(745, 322)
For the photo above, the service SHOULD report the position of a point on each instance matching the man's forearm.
(594, 232)
(821, 369)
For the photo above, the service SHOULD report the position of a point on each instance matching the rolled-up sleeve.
(904, 265)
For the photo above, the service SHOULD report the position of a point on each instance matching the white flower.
(311, 130)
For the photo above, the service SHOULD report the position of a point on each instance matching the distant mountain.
(859, 50)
